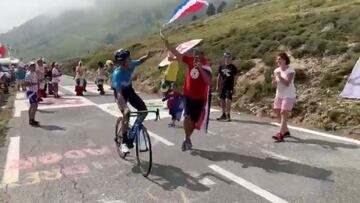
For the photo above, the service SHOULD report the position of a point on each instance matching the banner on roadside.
(352, 87)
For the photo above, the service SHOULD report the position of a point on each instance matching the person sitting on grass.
(174, 104)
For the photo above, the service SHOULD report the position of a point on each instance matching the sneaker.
(186, 145)
(34, 123)
(130, 144)
(228, 118)
(124, 149)
(222, 117)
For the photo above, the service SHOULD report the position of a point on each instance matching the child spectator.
(174, 104)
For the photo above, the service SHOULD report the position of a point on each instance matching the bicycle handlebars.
(136, 113)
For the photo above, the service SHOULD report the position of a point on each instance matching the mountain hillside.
(75, 33)
(322, 37)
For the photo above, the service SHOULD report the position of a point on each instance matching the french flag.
(187, 7)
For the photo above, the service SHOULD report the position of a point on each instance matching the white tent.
(352, 87)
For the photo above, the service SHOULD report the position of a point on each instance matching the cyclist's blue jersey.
(121, 77)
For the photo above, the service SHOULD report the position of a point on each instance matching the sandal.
(278, 137)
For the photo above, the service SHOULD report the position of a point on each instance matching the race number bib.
(194, 73)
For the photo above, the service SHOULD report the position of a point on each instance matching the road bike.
(141, 137)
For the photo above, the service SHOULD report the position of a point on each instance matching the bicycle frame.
(138, 125)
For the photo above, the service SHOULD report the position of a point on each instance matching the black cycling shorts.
(193, 108)
(130, 96)
(226, 94)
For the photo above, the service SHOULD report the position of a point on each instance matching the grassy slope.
(258, 32)
(5, 114)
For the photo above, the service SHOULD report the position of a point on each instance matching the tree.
(194, 18)
(211, 10)
(221, 7)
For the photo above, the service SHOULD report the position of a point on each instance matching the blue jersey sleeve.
(135, 63)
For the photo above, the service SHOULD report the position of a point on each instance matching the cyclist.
(124, 92)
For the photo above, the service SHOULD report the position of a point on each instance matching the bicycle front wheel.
(119, 138)
(144, 152)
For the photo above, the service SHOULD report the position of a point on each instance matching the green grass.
(5, 114)
(260, 32)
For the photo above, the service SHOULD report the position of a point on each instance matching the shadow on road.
(270, 165)
(46, 111)
(322, 143)
(52, 128)
(244, 122)
(170, 178)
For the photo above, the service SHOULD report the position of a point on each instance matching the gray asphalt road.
(72, 158)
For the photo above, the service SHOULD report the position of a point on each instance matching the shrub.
(277, 36)
(336, 48)
(346, 67)
(265, 46)
(300, 76)
(244, 65)
(294, 41)
(269, 59)
(331, 80)
(356, 48)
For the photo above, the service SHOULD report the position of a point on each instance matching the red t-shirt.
(2, 51)
(195, 87)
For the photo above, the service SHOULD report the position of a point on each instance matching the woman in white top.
(80, 75)
(56, 74)
(100, 77)
(285, 98)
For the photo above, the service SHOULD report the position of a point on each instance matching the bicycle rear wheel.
(119, 138)
(143, 151)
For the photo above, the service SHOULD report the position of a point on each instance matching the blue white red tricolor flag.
(187, 7)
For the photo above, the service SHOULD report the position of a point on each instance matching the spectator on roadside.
(80, 75)
(20, 73)
(285, 97)
(48, 79)
(40, 71)
(56, 74)
(32, 82)
(109, 67)
(170, 75)
(174, 104)
(100, 78)
(196, 92)
(225, 85)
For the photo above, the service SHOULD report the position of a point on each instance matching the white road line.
(248, 185)
(11, 171)
(207, 181)
(161, 139)
(19, 106)
(321, 134)
(117, 114)
(279, 156)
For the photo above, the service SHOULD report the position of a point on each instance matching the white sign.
(352, 87)
(182, 48)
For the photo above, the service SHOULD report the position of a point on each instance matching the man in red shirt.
(196, 91)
